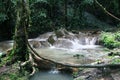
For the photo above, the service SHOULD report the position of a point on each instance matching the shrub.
(110, 40)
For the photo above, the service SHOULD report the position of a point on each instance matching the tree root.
(31, 62)
(33, 72)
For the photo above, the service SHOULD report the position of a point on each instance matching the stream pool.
(51, 75)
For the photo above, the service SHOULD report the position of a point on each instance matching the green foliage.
(117, 36)
(112, 6)
(110, 40)
(75, 74)
(49, 14)
(39, 17)
(90, 2)
(3, 17)
(115, 61)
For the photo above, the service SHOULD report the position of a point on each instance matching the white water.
(89, 43)
(90, 40)
(54, 70)
(77, 44)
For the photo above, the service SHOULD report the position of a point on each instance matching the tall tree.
(20, 48)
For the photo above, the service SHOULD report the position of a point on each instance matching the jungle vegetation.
(47, 15)
(23, 19)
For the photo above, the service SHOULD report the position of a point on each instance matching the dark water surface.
(49, 75)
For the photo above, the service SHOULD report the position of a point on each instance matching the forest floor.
(12, 72)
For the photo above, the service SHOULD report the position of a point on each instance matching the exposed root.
(31, 62)
(37, 57)
(33, 72)
(26, 62)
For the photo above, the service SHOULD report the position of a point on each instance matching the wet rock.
(35, 44)
(44, 44)
(70, 37)
(86, 77)
(116, 76)
(80, 78)
(90, 77)
(46, 35)
(63, 43)
(61, 33)
(52, 39)
(114, 53)
(98, 74)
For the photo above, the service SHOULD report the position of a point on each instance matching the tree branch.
(107, 11)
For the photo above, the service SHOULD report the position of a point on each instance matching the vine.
(103, 8)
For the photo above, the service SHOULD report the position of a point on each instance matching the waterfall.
(93, 41)
(54, 70)
(90, 40)
(85, 43)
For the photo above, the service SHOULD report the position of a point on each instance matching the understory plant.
(110, 40)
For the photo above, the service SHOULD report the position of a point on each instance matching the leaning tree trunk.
(20, 48)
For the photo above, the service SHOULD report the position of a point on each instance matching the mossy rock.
(52, 39)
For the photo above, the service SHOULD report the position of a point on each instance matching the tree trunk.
(20, 48)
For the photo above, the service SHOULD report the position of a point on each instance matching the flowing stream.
(76, 49)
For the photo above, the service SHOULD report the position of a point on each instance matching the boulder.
(52, 39)
(44, 44)
(63, 43)
(45, 35)
(61, 33)
(35, 44)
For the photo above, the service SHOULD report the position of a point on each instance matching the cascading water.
(54, 70)
(90, 40)
(86, 42)
(65, 48)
